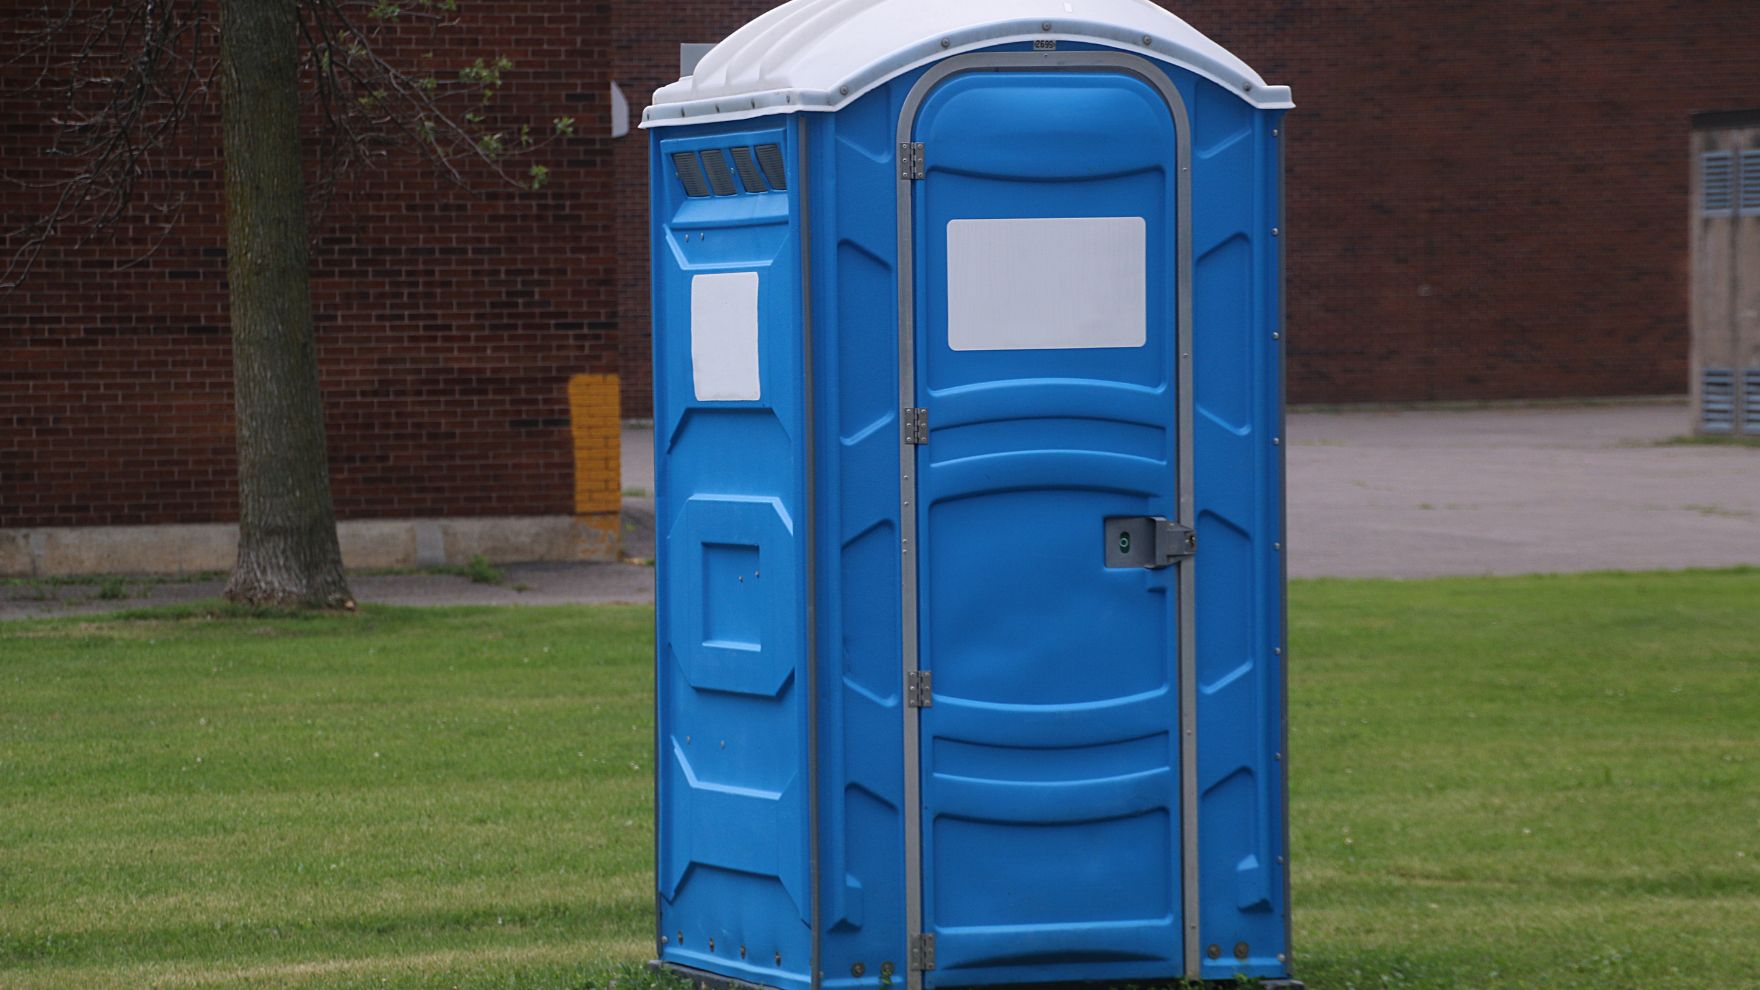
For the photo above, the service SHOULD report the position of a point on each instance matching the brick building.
(1487, 200)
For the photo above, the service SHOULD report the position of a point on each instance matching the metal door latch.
(1150, 542)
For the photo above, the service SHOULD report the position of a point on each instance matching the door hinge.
(922, 956)
(919, 689)
(911, 164)
(916, 426)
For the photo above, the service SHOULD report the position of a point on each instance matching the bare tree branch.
(125, 76)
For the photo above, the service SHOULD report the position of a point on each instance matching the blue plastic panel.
(1242, 880)
(1051, 798)
(855, 236)
(733, 784)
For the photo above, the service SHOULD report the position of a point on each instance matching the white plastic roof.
(823, 54)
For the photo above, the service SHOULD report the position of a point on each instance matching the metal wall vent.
(1717, 401)
(1751, 403)
(770, 160)
(747, 166)
(1750, 183)
(720, 176)
(1718, 172)
(690, 172)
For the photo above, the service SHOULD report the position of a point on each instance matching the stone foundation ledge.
(366, 545)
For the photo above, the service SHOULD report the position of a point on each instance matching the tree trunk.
(288, 554)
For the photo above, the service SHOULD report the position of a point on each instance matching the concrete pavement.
(1516, 491)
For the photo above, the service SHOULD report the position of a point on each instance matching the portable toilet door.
(968, 402)
(1044, 341)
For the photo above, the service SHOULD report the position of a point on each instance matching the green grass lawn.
(1533, 782)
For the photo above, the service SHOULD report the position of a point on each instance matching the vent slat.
(1750, 183)
(720, 176)
(1751, 406)
(1717, 401)
(690, 172)
(747, 166)
(770, 160)
(1718, 173)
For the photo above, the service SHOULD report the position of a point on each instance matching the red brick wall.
(449, 321)
(1488, 200)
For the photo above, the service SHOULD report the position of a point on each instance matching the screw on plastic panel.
(947, 42)
(1214, 952)
(1242, 950)
(1276, 336)
(844, 90)
(711, 945)
(1148, 39)
(857, 970)
(1278, 757)
(1282, 958)
(1277, 232)
(778, 958)
(742, 952)
(1278, 547)
(665, 939)
(1275, 132)
(1277, 650)
(1276, 441)
(1046, 25)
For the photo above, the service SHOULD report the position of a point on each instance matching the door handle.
(1149, 542)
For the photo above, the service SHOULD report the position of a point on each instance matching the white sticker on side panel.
(1047, 284)
(724, 337)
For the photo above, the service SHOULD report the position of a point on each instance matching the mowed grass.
(1529, 782)
(402, 798)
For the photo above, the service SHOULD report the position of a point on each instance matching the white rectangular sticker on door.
(724, 337)
(1047, 284)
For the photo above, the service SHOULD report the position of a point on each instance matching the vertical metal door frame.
(910, 545)
(810, 495)
(1280, 340)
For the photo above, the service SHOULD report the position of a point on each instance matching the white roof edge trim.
(674, 106)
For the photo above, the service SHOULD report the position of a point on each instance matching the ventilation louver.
(747, 166)
(690, 172)
(1718, 170)
(709, 173)
(720, 176)
(1751, 403)
(770, 160)
(1750, 183)
(1717, 401)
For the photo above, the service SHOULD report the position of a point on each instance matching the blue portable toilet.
(968, 429)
